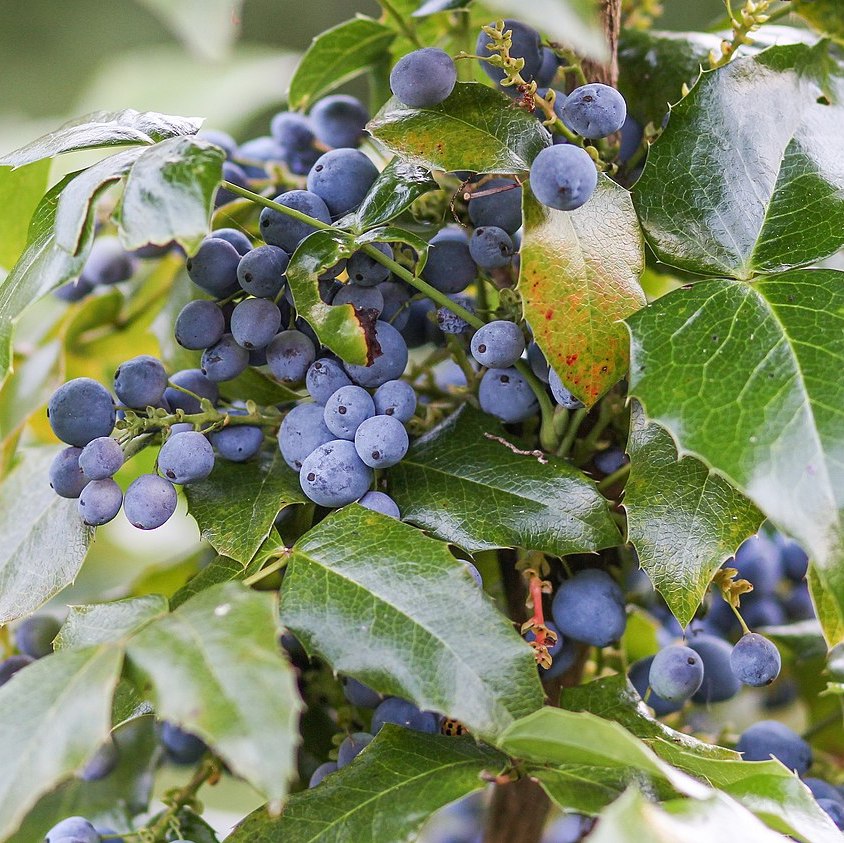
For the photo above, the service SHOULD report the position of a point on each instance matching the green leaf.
(219, 570)
(20, 191)
(109, 802)
(683, 519)
(633, 819)
(571, 741)
(216, 668)
(236, 506)
(169, 194)
(384, 603)
(395, 190)
(713, 202)
(103, 128)
(745, 378)
(41, 268)
(825, 16)
(336, 56)
(44, 539)
(827, 606)
(476, 129)
(106, 623)
(259, 387)
(348, 333)
(75, 201)
(579, 276)
(207, 27)
(465, 484)
(54, 714)
(419, 772)
(654, 65)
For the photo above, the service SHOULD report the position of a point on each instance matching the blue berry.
(237, 238)
(108, 262)
(763, 610)
(325, 376)
(758, 560)
(74, 290)
(214, 267)
(361, 298)
(104, 761)
(292, 130)
(401, 713)
(339, 120)
(719, 681)
(66, 477)
(526, 45)
(257, 155)
(448, 321)
(140, 382)
(341, 178)
(321, 772)
(219, 138)
(261, 272)
(590, 608)
(195, 381)
(473, 572)
(359, 694)
(835, 809)
(639, 676)
(822, 790)
(73, 830)
(346, 409)
(235, 174)
(505, 394)
(99, 502)
(538, 364)
(379, 502)
(255, 322)
(34, 636)
(396, 398)
(563, 177)
(200, 324)
(287, 233)
(224, 360)
(334, 475)
(768, 738)
(10, 666)
(491, 247)
(80, 411)
(388, 365)
(676, 673)
(187, 458)
(302, 432)
(181, 747)
(351, 747)
(150, 501)
(755, 660)
(423, 78)
(594, 110)
(381, 441)
(289, 355)
(396, 309)
(798, 605)
(502, 207)
(610, 461)
(548, 69)
(237, 442)
(449, 268)
(795, 562)
(365, 270)
(561, 393)
(498, 345)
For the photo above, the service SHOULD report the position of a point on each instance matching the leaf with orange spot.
(579, 277)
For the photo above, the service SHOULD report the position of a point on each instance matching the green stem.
(279, 563)
(611, 479)
(830, 720)
(571, 434)
(275, 206)
(458, 353)
(465, 40)
(403, 25)
(142, 424)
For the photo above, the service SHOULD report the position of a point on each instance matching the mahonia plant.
(508, 405)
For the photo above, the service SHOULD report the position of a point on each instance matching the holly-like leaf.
(103, 128)
(20, 192)
(579, 277)
(683, 519)
(633, 818)
(105, 623)
(169, 194)
(219, 570)
(41, 268)
(395, 190)
(110, 802)
(54, 715)
(236, 506)
(347, 332)
(825, 16)
(422, 773)
(476, 128)
(336, 56)
(44, 539)
(741, 181)
(74, 205)
(466, 483)
(745, 377)
(216, 669)
(384, 603)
